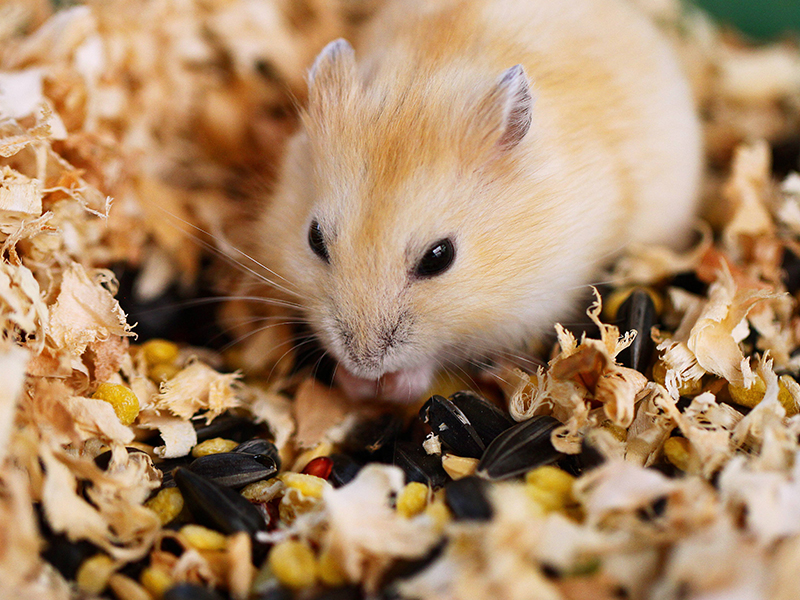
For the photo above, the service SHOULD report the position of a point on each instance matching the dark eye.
(437, 259)
(317, 241)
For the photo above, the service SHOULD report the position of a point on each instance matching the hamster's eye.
(317, 241)
(437, 259)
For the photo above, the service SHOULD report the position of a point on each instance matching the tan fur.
(400, 149)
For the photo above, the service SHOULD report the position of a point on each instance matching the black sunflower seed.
(374, 437)
(216, 506)
(637, 312)
(229, 426)
(790, 265)
(467, 499)
(452, 426)
(235, 469)
(519, 449)
(103, 459)
(190, 591)
(688, 280)
(67, 556)
(260, 446)
(344, 469)
(419, 466)
(488, 420)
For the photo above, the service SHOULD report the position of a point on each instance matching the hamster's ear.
(506, 111)
(332, 70)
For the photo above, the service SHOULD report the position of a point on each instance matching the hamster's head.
(393, 225)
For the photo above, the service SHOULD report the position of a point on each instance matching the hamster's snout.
(371, 349)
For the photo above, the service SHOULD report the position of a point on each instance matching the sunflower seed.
(488, 420)
(232, 426)
(234, 469)
(466, 498)
(419, 466)
(216, 506)
(638, 312)
(374, 435)
(519, 449)
(452, 426)
(344, 469)
(260, 446)
(67, 556)
(103, 459)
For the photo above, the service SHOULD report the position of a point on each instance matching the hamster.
(461, 176)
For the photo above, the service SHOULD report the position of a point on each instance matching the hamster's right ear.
(333, 69)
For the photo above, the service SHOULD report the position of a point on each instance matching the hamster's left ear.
(333, 69)
(506, 111)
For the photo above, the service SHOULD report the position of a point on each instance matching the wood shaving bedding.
(90, 113)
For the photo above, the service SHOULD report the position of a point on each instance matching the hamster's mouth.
(405, 385)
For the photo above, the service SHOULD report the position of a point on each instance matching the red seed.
(319, 467)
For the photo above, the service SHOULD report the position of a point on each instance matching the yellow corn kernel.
(293, 564)
(691, 387)
(156, 581)
(93, 575)
(329, 571)
(213, 446)
(413, 499)
(160, 351)
(124, 401)
(308, 485)
(678, 452)
(203, 538)
(167, 504)
(162, 372)
(550, 487)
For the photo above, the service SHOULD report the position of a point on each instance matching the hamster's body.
(535, 175)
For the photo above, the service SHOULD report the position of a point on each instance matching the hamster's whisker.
(307, 339)
(231, 260)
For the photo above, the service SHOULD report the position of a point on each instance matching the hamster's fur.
(538, 136)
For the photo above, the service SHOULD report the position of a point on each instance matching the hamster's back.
(612, 108)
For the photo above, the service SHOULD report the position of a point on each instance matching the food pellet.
(751, 396)
(126, 588)
(155, 581)
(157, 351)
(678, 452)
(202, 538)
(293, 564)
(167, 504)
(213, 446)
(413, 499)
(124, 401)
(690, 387)
(93, 575)
(162, 372)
